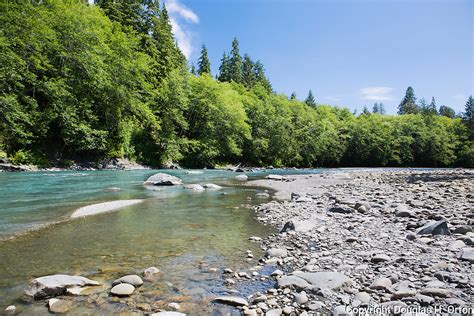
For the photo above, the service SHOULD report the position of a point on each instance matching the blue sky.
(349, 52)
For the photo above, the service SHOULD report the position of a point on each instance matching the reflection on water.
(182, 233)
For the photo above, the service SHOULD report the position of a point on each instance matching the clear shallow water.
(181, 232)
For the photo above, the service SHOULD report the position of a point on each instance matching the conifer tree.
(310, 101)
(468, 116)
(432, 109)
(204, 65)
(261, 78)
(408, 104)
(293, 96)
(235, 62)
(224, 69)
(365, 111)
(193, 70)
(249, 77)
(381, 108)
(447, 111)
(376, 108)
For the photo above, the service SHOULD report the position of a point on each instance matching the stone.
(274, 312)
(467, 254)
(402, 210)
(381, 284)
(242, 177)
(324, 280)
(381, 257)
(276, 252)
(287, 310)
(456, 245)
(231, 300)
(275, 177)
(54, 285)
(362, 297)
(150, 273)
(434, 228)
(340, 310)
(194, 187)
(410, 237)
(163, 179)
(212, 186)
(104, 207)
(292, 281)
(58, 306)
(341, 209)
(262, 195)
(463, 229)
(174, 306)
(403, 293)
(301, 298)
(122, 289)
(10, 310)
(277, 273)
(455, 302)
(436, 292)
(131, 279)
(424, 299)
(168, 314)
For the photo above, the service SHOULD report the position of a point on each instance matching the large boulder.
(434, 228)
(293, 282)
(324, 280)
(163, 179)
(54, 285)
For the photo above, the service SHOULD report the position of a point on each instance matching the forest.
(91, 82)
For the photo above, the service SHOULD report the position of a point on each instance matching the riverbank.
(352, 240)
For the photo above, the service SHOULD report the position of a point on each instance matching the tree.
(293, 96)
(204, 65)
(249, 78)
(408, 104)
(261, 78)
(310, 101)
(468, 116)
(193, 70)
(376, 108)
(432, 109)
(224, 69)
(381, 108)
(365, 110)
(235, 63)
(447, 111)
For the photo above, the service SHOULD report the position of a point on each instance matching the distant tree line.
(87, 82)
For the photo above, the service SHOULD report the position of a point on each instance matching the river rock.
(150, 273)
(242, 177)
(131, 279)
(275, 177)
(168, 314)
(163, 179)
(381, 284)
(463, 229)
(262, 195)
(324, 280)
(301, 298)
(122, 289)
(292, 281)
(212, 186)
(194, 187)
(381, 257)
(276, 252)
(402, 210)
(10, 310)
(434, 228)
(274, 312)
(436, 292)
(231, 300)
(53, 285)
(362, 297)
(341, 209)
(467, 254)
(58, 306)
(104, 207)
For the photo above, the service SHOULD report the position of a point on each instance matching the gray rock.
(324, 280)
(122, 289)
(402, 210)
(381, 284)
(463, 229)
(274, 312)
(194, 187)
(292, 281)
(341, 209)
(341, 310)
(242, 177)
(436, 292)
(381, 257)
(151, 273)
(212, 186)
(363, 297)
(275, 177)
(276, 252)
(301, 298)
(168, 314)
(262, 195)
(434, 228)
(131, 279)
(456, 245)
(467, 254)
(163, 179)
(53, 285)
(455, 302)
(58, 306)
(299, 226)
(231, 300)
(424, 299)
(10, 310)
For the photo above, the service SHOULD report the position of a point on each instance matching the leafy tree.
(447, 111)
(408, 104)
(235, 63)
(204, 65)
(310, 101)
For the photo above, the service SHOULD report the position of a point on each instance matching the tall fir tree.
(310, 101)
(224, 69)
(249, 77)
(293, 96)
(381, 108)
(408, 104)
(193, 70)
(432, 109)
(261, 78)
(365, 110)
(376, 108)
(447, 111)
(204, 65)
(235, 62)
(468, 116)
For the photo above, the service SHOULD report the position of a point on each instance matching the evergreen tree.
(365, 110)
(376, 108)
(193, 70)
(432, 109)
(423, 106)
(468, 116)
(310, 101)
(235, 63)
(447, 111)
(293, 96)
(408, 104)
(249, 77)
(261, 78)
(224, 69)
(381, 108)
(204, 65)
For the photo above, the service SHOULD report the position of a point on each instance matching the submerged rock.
(103, 207)
(10, 310)
(212, 186)
(231, 300)
(194, 187)
(59, 306)
(53, 285)
(163, 179)
(434, 228)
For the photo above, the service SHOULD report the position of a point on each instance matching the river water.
(185, 234)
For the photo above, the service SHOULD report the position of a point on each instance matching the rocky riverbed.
(377, 241)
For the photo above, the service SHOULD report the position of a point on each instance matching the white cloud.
(180, 17)
(376, 93)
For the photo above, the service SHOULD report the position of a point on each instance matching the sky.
(350, 53)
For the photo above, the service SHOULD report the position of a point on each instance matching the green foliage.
(447, 111)
(408, 104)
(204, 64)
(310, 101)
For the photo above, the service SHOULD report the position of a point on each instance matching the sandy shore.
(394, 239)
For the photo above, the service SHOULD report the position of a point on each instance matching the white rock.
(194, 187)
(212, 186)
(103, 207)
(131, 279)
(231, 300)
(53, 285)
(163, 179)
(242, 177)
(122, 289)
